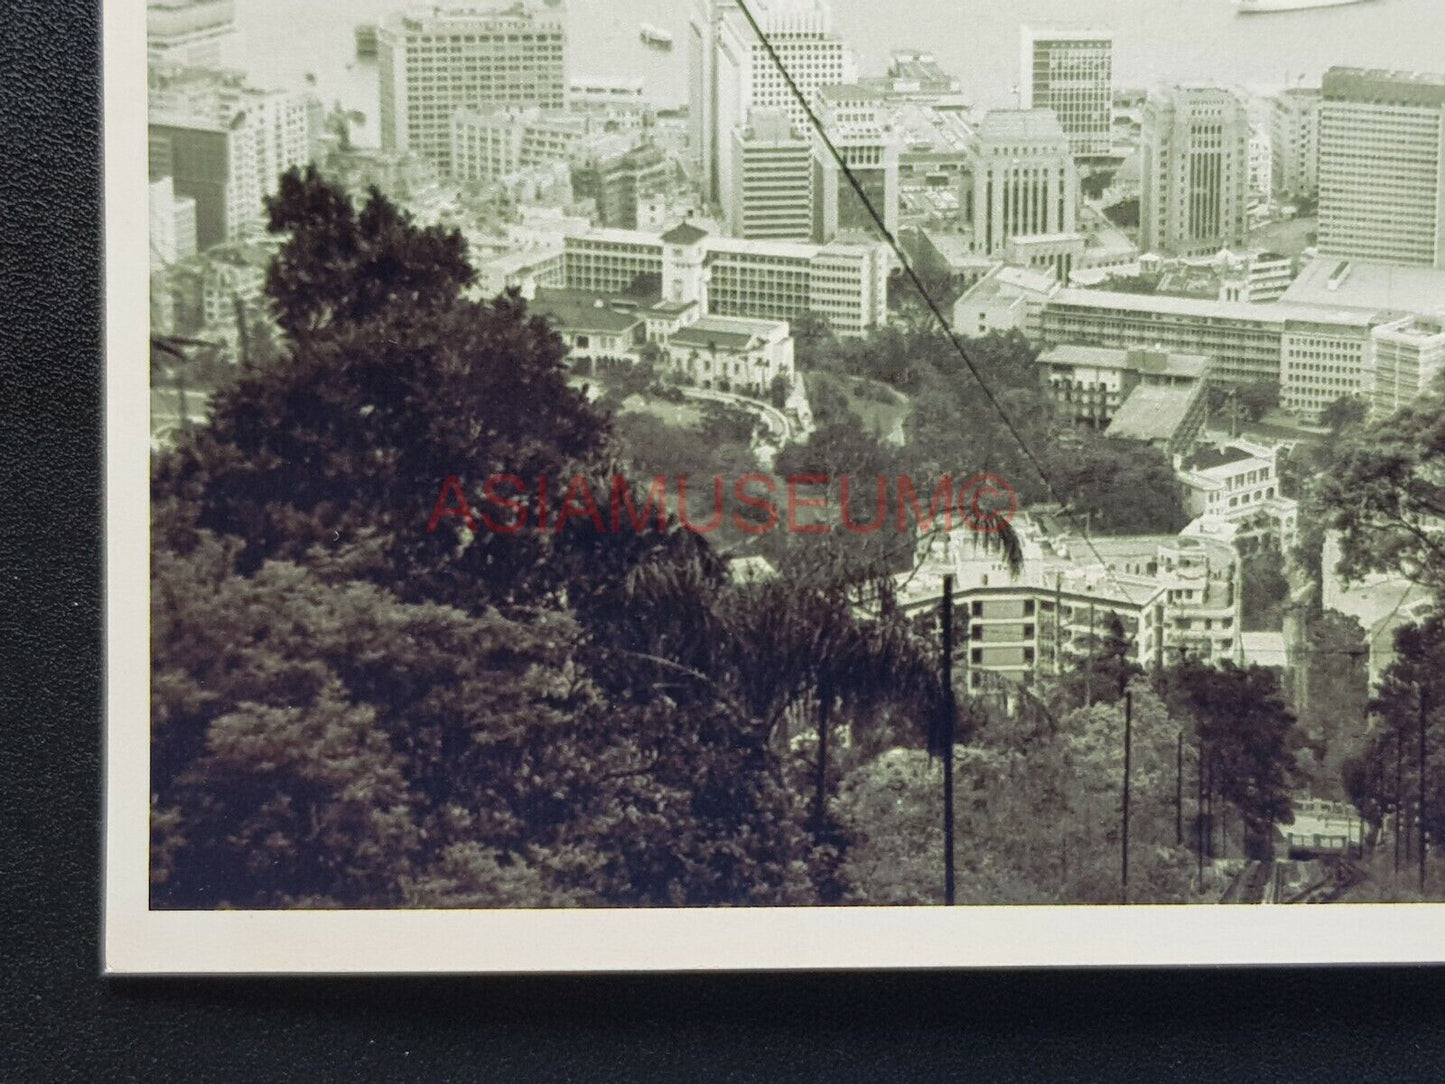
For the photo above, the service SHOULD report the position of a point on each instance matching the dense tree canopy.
(1386, 495)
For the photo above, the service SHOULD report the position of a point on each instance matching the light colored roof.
(1153, 413)
(1022, 125)
(1264, 648)
(1366, 285)
(1265, 313)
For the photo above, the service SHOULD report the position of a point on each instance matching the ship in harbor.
(1261, 7)
(656, 35)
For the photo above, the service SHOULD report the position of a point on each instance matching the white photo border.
(137, 940)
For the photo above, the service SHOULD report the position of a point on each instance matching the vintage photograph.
(793, 453)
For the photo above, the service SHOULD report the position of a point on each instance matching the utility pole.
(1179, 790)
(1124, 847)
(1089, 672)
(949, 711)
(825, 706)
(1399, 792)
(1199, 815)
(1420, 812)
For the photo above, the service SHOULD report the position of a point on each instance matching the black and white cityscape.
(683, 453)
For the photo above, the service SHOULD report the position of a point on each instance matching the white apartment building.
(1072, 73)
(860, 129)
(1194, 159)
(1382, 166)
(491, 142)
(1323, 360)
(1294, 141)
(746, 77)
(225, 144)
(172, 224)
(771, 187)
(432, 61)
(1169, 596)
(1022, 184)
(1233, 492)
(1407, 356)
(192, 33)
(842, 282)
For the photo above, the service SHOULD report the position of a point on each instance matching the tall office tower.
(192, 33)
(704, 27)
(1194, 158)
(739, 75)
(226, 144)
(858, 126)
(1382, 166)
(1021, 180)
(1072, 73)
(771, 193)
(432, 62)
(1261, 160)
(1294, 140)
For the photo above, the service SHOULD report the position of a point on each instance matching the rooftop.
(580, 310)
(1362, 284)
(684, 234)
(1160, 362)
(1153, 413)
(1209, 458)
(1021, 125)
(1255, 312)
(723, 332)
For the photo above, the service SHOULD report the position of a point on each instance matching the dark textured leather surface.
(60, 1021)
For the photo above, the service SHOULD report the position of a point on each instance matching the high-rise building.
(1382, 166)
(432, 62)
(225, 144)
(615, 183)
(771, 189)
(491, 142)
(858, 127)
(1407, 356)
(1021, 182)
(734, 73)
(1194, 158)
(1261, 160)
(1294, 141)
(1072, 73)
(172, 224)
(192, 33)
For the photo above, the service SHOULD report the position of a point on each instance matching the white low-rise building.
(1167, 597)
(1233, 492)
(729, 353)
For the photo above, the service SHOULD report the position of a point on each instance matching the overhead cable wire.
(907, 266)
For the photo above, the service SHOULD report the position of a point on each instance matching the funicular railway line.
(1254, 883)
(1262, 882)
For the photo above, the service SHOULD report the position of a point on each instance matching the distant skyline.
(1155, 40)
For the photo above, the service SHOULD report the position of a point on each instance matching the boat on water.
(1261, 7)
(656, 35)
